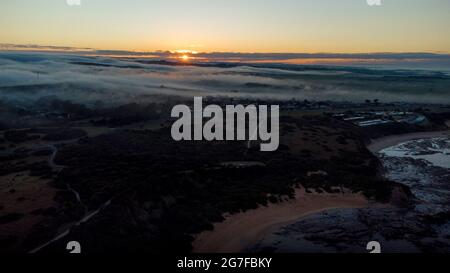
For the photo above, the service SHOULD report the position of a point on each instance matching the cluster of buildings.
(366, 119)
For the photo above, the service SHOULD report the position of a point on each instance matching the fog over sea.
(88, 78)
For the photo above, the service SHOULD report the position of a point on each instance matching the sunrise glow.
(246, 26)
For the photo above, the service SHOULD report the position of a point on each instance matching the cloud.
(4, 46)
(26, 77)
(238, 55)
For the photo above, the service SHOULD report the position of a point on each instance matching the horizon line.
(68, 49)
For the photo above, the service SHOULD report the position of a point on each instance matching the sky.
(287, 26)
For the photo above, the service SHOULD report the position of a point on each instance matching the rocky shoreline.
(423, 226)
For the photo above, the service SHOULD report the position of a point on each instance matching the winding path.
(87, 215)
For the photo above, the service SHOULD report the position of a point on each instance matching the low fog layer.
(28, 77)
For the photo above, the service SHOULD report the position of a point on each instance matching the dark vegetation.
(163, 192)
(64, 134)
(8, 218)
(56, 112)
(111, 116)
(8, 166)
(438, 118)
(18, 136)
(130, 113)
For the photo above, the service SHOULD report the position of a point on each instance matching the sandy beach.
(242, 230)
(385, 142)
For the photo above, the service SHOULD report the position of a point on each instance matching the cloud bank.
(26, 77)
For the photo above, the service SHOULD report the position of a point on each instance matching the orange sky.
(230, 25)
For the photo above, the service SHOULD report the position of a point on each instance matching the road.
(87, 215)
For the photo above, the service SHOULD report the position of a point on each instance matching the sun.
(185, 57)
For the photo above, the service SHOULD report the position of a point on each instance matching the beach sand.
(243, 230)
(246, 229)
(389, 141)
